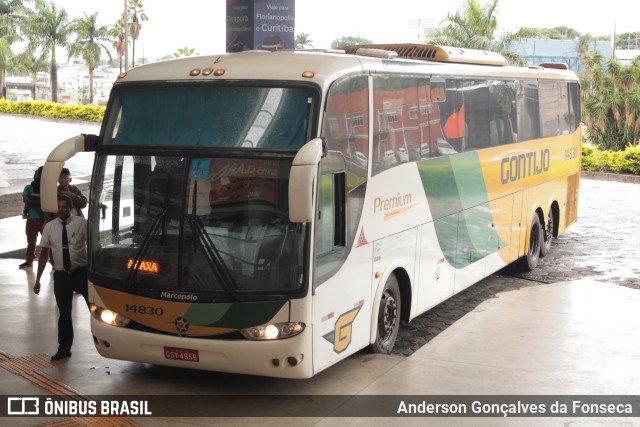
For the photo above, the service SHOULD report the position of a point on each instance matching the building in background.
(537, 51)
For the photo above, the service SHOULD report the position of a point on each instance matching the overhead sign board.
(260, 24)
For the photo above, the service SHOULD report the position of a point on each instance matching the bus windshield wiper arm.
(214, 259)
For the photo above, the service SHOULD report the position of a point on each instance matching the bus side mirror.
(302, 180)
(54, 164)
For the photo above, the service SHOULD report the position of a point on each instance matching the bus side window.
(528, 111)
(574, 105)
(452, 117)
(395, 119)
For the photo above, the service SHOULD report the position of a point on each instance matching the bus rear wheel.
(530, 260)
(388, 322)
(547, 236)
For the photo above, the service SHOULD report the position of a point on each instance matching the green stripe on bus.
(457, 196)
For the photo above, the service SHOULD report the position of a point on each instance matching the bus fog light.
(109, 317)
(273, 331)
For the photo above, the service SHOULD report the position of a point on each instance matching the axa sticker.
(342, 333)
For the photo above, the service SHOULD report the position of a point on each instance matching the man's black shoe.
(61, 355)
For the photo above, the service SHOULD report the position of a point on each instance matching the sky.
(201, 24)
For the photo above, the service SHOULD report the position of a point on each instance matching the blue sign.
(260, 24)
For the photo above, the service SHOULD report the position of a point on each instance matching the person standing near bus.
(35, 217)
(66, 238)
(78, 200)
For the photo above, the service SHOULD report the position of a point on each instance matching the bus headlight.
(273, 331)
(109, 317)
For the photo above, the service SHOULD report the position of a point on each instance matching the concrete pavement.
(569, 338)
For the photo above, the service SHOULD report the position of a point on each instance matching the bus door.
(342, 266)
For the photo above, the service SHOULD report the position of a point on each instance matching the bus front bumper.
(286, 358)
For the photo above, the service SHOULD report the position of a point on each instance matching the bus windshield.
(206, 225)
(211, 116)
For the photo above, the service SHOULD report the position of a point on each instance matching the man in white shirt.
(66, 238)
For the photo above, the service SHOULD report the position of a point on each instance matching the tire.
(388, 321)
(547, 236)
(530, 260)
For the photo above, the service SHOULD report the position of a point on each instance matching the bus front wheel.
(388, 322)
(530, 260)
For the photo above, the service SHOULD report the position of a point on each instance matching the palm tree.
(303, 40)
(611, 101)
(48, 27)
(88, 44)
(33, 64)
(9, 20)
(582, 44)
(137, 14)
(474, 27)
(184, 51)
(117, 33)
(5, 64)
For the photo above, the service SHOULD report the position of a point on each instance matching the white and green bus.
(272, 213)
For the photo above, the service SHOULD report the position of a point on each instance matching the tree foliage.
(10, 13)
(303, 41)
(137, 15)
(89, 44)
(474, 26)
(185, 51)
(349, 41)
(611, 101)
(116, 31)
(32, 63)
(47, 27)
(628, 41)
(6, 59)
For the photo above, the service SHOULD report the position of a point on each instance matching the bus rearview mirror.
(302, 180)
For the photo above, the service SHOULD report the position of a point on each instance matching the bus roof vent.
(554, 65)
(430, 52)
(321, 50)
(377, 53)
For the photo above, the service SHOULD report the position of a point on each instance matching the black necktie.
(66, 259)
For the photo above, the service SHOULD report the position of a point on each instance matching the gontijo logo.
(523, 166)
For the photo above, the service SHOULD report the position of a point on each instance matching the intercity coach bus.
(272, 213)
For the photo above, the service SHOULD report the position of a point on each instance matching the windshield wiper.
(214, 259)
(212, 255)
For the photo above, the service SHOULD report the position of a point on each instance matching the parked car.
(403, 156)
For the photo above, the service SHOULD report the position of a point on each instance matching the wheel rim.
(548, 232)
(534, 243)
(388, 316)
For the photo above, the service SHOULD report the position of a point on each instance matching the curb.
(617, 177)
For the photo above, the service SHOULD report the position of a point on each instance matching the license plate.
(186, 354)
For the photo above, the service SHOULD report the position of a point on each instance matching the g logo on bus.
(342, 332)
(182, 324)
